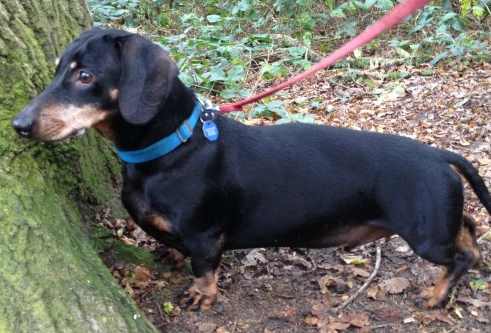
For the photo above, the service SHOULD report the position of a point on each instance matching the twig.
(453, 329)
(376, 327)
(159, 309)
(484, 236)
(314, 264)
(367, 283)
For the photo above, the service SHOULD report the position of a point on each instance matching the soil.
(298, 290)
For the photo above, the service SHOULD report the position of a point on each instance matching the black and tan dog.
(290, 185)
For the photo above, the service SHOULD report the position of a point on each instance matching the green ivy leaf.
(236, 73)
(216, 74)
(384, 4)
(478, 285)
(478, 11)
(213, 18)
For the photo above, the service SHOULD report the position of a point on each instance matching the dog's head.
(101, 74)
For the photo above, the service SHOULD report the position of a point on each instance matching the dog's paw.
(432, 298)
(202, 294)
(194, 299)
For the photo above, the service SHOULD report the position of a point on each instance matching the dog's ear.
(147, 76)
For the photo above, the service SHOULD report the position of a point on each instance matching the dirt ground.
(298, 290)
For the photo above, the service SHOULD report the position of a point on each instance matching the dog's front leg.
(205, 259)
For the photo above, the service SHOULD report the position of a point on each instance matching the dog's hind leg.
(431, 221)
(466, 255)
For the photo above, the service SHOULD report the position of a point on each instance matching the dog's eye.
(85, 77)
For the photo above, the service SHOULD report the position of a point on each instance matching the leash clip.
(209, 111)
(208, 115)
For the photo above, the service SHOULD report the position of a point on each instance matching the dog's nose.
(23, 124)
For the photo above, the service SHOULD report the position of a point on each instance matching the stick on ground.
(367, 282)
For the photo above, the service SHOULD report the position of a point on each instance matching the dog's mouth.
(77, 133)
(59, 139)
(73, 135)
(25, 134)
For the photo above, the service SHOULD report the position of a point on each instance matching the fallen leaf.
(128, 241)
(207, 327)
(142, 274)
(311, 320)
(485, 161)
(458, 311)
(474, 302)
(354, 260)
(254, 257)
(395, 285)
(388, 314)
(337, 326)
(222, 329)
(357, 319)
(372, 292)
(360, 272)
(299, 261)
(393, 94)
(285, 313)
(436, 315)
(403, 248)
(329, 282)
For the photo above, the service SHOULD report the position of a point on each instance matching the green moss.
(69, 273)
(109, 246)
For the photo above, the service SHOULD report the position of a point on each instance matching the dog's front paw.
(202, 294)
(193, 300)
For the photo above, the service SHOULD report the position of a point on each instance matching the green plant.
(112, 10)
(226, 48)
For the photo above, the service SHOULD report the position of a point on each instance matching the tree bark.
(51, 279)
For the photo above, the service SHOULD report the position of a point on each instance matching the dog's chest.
(158, 226)
(147, 213)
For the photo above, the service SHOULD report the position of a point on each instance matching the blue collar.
(164, 145)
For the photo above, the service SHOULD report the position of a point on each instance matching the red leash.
(394, 17)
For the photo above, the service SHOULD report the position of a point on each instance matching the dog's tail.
(471, 175)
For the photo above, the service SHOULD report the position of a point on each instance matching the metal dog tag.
(210, 130)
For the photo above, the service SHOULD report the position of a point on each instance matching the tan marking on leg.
(57, 122)
(466, 240)
(160, 223)
(203, 292)
(440, 291)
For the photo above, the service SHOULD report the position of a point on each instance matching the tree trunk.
(51, 279)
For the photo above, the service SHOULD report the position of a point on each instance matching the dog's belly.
(311, 235)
